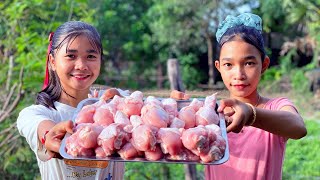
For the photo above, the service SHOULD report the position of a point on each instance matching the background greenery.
(138, 38)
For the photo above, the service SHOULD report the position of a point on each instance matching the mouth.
(80, 76)
(239, 86)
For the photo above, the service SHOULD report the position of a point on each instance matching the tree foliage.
(24, 27)
(138, 37)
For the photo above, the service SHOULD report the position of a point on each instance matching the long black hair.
(248, 34)
(65, 33)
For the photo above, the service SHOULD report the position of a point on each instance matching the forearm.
(283, 123)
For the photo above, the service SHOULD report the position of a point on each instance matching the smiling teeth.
(80, 76)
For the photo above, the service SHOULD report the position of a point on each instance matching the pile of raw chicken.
(150, 128)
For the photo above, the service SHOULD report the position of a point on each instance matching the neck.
(254, 99)
(73, 99)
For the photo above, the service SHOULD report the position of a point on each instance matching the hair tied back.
(46, 77)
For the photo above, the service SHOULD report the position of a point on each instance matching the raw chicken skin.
(196, 104)
(154, 155)
(216, 151)
(113, 137)
(86, 114)
(135, 120)
(170, 140)
(128, 151)
(117, 102)
(144, 137)
(154, 115)
(188, 115)
(206, 115)
(211, 101)
(100, 152)
(196, 140)
(171, 107)
(75, 149)
(133, 104)
(88, 134)
(121, 118)
(214, 128)
(104, 115)
(177, 123)
(185, 155)
(152, 100)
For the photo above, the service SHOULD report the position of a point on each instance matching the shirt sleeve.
(278, 103)
(28, 122)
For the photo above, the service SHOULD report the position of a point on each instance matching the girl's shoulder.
(278, 103)
(36, 108)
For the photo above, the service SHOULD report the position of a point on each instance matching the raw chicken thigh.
(196, 140)
(154, 115)
(188, 115)
(171, 107)
(88, 134)
(170, 140)
(104, 114)
(133, 103)
(113, 137)
(128, 151)
(144, 137)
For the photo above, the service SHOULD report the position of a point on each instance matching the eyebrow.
(250, 57)
(245, 58)
(75, 51)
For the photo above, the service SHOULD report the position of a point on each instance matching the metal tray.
(181, 103)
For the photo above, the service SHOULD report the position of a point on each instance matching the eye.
(227, 64)
(70, 56)
(91, 57)
(250, 63)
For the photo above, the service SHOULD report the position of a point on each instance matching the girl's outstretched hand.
(236, 113)
(55, 136)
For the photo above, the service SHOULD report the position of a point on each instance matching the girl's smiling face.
(77, 65)
(241, 67)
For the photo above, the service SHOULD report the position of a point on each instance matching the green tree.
(127, 42)
(24, 28)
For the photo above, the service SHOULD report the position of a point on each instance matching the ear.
(217, 64)
(52, 62)
(265, 64)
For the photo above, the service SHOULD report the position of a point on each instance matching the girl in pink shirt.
(258, 127)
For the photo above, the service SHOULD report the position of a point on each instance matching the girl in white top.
(73, 64)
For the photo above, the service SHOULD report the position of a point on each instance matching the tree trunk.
(210, 60)
(174, 75)
(190, 172)
(159, 76)
(165, 172)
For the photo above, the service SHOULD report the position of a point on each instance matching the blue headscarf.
(246, 19)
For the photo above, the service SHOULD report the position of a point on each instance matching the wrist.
(43, 139)
(254, 115)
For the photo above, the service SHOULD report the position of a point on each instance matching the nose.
(81, 64)
(239, 73)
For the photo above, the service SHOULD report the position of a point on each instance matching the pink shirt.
(255, 154)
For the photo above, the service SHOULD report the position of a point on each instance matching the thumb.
(63, 127)
(225, 103)
(69, 126)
